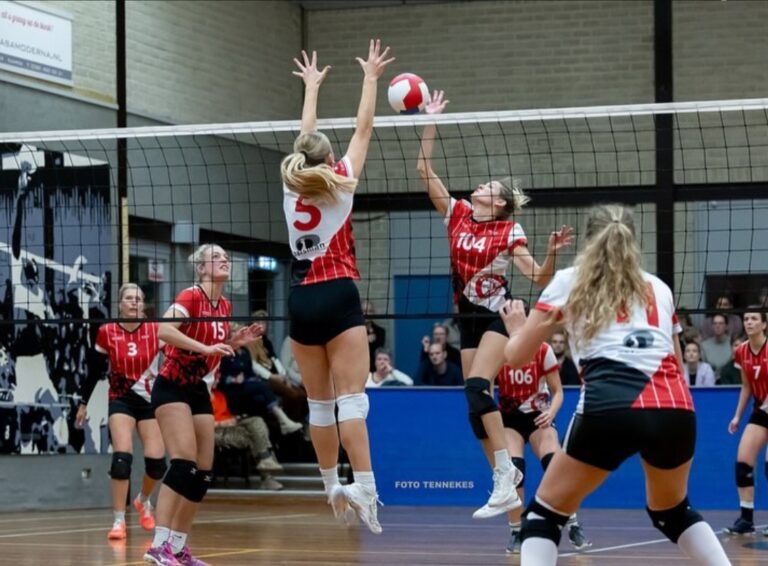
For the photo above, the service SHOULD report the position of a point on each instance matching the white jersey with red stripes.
(320, 235)
(755, 369)
(630, 363)
(186, 367)
(525, 389)
(480, 255)
(133, 357)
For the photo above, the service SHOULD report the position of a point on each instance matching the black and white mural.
(56, 260)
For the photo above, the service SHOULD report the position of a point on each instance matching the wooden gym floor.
(300, 531)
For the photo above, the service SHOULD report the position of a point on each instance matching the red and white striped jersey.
(525, 389)
(133, 357)
(755, 370)
(186, 367)
(480, 255)
(630, 363)
(320, 235)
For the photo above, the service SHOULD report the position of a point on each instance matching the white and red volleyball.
(408, 94)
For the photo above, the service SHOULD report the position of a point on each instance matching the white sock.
(145, 498)
(699, 543)
(330, 479)
(538, 552)
(501, 459)
(161, 535)
(178, 540)
(118, 516)
(514, 526)
(365, 479)
(572, 520)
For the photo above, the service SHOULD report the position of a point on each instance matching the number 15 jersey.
(320, 235)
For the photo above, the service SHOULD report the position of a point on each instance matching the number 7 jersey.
(320, 235)
(755, 370)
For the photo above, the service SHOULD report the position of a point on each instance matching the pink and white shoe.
(185, 558)
(161, 555)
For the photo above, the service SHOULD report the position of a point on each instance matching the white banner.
(35, 43)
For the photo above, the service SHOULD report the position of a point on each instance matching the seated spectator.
(385, 374)
(268, 366)
(716, 351)
(437, 370)
(732, 320)
(376, 334)
(729, 373)
(289, 362)
(569, 375)
(249, 395)
(690, 332)
(440, 336)
(251, 434)
(697, 373)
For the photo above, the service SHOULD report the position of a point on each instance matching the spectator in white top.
(697, 373)
(716, 351)
(289, 362)
(386, 374)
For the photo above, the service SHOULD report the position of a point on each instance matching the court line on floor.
(235, 519)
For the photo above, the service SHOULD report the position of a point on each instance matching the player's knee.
(479, 396)
(745, 475)
(203, 480)
(353, 406)
(542, 522)
(155, 467)
(478, 428)
(675, 521)
(121, 466)
(519, 463)
(546, 459)
(182, 478)
(322, 413)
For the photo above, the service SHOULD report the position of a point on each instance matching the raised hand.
(377, 60)
(308, 69)
(560, 239)
(436, 103)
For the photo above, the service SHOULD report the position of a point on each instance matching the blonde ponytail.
(305, 171)
(609, 277)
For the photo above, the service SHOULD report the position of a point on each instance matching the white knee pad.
(354, 406)
(321, 413)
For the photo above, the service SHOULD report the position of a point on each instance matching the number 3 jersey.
(320, 234)
(133, 358)
(631, 362)
(480, 255)
(525, 389)
(755, 370)
(182, 366)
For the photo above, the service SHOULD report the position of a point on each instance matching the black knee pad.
(519, 463)
(479, 396)
(155, 467)
(540, 522)
(478, 428)
(546, 459)
(203, 479)
(745, 475)
(121, 466)
(674, 522)
(182, 478)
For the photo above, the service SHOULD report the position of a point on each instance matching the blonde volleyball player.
(484, 240)
(131, 350)
(328, 333)
(182, 401)
(623, 333)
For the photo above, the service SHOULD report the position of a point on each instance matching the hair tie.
(616, 221)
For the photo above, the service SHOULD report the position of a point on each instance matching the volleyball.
(408, 94)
